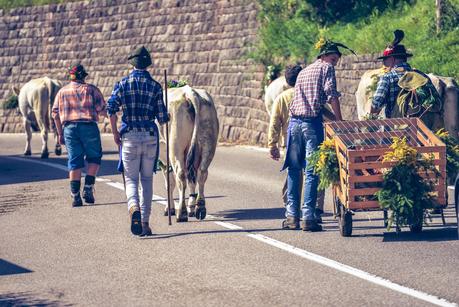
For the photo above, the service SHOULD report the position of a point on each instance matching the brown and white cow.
(193, 136)
(36, 98)
(446, 87)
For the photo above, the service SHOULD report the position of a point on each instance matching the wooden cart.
(360, 147)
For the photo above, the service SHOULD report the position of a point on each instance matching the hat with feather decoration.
(395, 49)
(327, 47)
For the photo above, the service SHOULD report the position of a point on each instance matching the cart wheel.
(345, 222)
(417, 227)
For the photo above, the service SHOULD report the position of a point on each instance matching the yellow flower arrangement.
(320, 43)
(324, 163)
(401, 152)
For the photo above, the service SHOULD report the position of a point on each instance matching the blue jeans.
(82, 139)
(304, 137)
(139, 152)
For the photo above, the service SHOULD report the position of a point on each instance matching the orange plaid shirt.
(79, 102)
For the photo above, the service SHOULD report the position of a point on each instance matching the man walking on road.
(76, 111)
(141, 99)
(315, 86)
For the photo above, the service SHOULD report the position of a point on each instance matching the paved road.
(52, 254)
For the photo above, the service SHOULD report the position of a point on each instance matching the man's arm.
(334, 101)
(161, 115)
(57, 120)
(332, 93)
(380, 96)
(116, 134)
(113, 106)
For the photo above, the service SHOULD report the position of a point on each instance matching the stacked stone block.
(203, 41)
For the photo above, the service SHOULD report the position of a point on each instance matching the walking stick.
(167, 153)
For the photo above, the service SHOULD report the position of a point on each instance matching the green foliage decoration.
(405, 193)
(324, 163)
(11, 102)
(452, 153)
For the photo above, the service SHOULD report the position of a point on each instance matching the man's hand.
(274, 153)
(117, 138)
(61, 139)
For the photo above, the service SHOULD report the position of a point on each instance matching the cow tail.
(192, 154)
(53, 88)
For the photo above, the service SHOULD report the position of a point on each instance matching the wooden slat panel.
(379, 165)
(369, 204)
(363, 192)
(432, 137)
(363, 179)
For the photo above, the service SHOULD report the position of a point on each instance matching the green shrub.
(11, 102)
(289, 29)
(9, 4)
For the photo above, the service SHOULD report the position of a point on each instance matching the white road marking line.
(294, 250)
(228, 225)
(117, 185)
(352, 271)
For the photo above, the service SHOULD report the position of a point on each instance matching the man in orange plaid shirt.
(76, 111)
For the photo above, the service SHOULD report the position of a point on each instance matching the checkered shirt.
(387, 89)
(315, 85)
(141, 99)
(78, 102)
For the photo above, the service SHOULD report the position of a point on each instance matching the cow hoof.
(44, 155)
(172, 212)
(183, 217)
(201, 213)
(27, 153)
(191, 214)
(58, 151)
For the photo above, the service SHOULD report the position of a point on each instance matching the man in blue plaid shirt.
(140, 98)
(395, 58)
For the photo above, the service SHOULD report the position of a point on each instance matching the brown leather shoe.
(291, 223)
(312, 226)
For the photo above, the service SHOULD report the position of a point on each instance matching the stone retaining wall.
(203, 41)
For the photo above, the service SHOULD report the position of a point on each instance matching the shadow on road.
(27, 299)
(251, 214)
(31, 169)
(8, 268)
(429, 235)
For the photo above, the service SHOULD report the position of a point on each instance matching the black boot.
(88, 194)
(77, 202)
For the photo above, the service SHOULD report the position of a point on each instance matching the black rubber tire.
(416, 228)
(345, 222)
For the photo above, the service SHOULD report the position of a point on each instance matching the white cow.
(446, 87)
(193, 136)
(36, 98)
(273, 90)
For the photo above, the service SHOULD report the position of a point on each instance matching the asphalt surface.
(55, 255)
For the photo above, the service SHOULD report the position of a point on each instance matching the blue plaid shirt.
(141, 99)
(388, 89)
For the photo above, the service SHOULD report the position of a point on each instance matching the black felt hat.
(140, 58)
(327, 47)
